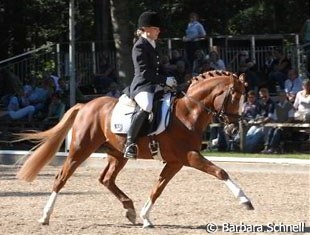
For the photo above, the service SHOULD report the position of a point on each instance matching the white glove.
(171, 82)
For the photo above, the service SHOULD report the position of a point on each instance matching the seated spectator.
(218, 137)
(176, 56)
(216, 62)
(250, 108)
(256, 134)
(249, 111)
(284, 112)
(181, 74)
(198, 62)
(40, 94)
(19, 108)
(64, 91)
(279, 68)
(166, 68)
(302, 103)
(105, 76)
(56, 109)
(206, 66)
(55, 78)
(268, 62)
(292, 84)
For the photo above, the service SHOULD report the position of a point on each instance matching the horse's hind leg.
(74, 159)
(196, 160)
(107, 178)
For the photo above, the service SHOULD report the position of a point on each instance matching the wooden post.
(242, 134)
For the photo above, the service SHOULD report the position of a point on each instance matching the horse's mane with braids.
(209, 74)
(212, 73)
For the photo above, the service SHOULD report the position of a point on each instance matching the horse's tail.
(49, 142)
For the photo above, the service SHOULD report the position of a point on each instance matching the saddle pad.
(123, 110)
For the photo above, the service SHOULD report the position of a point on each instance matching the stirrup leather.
(131, 151)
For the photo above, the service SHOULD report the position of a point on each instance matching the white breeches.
(145, 100)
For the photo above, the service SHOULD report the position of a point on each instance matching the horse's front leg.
(169, 170)
(107, 178)
(196, 160)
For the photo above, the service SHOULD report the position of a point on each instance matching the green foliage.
(31, 23)
(253, 20)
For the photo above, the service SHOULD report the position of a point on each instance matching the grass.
(256, 155)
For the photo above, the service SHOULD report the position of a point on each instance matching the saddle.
(157, 122)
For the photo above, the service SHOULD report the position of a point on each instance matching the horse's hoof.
(248, 205)
(44, 221)
(131, 215)
(148, 225)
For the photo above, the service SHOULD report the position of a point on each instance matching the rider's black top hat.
(149, 19)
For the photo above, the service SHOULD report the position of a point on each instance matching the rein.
(221, 115)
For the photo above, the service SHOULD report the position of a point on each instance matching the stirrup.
(131, 151)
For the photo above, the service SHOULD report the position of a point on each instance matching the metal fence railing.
(55, 57)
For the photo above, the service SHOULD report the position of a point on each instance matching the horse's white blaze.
(145, 212)
(236, 190)
(48, 209)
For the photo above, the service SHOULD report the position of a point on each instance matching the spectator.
(216, 62)
(56, 109)
(279, 68)
(218, 137)
(176, 56)
(194, 33)
(19, 108)
(55, 78)
(64, 91)
(180, 74)
(255, 135)
(292, 84)
(250, 109)
(166, 67)
(198, 62)
(302, 103)
(105, 76)
(248, 67)
(40, 94)
(284, 112)
(205, 66)
(305, 31)
(268, 62)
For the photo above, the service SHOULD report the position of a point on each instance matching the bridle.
(221, 115)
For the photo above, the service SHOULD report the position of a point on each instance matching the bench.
(302, 128)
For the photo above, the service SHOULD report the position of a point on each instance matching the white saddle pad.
(123, 110)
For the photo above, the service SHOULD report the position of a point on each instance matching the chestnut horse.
(214, 93)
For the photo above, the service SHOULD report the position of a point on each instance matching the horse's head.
(228, 103)
(218, 93)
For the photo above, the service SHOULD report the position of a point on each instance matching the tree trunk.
(123, 39)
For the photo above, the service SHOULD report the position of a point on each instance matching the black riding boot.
(131, 149)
